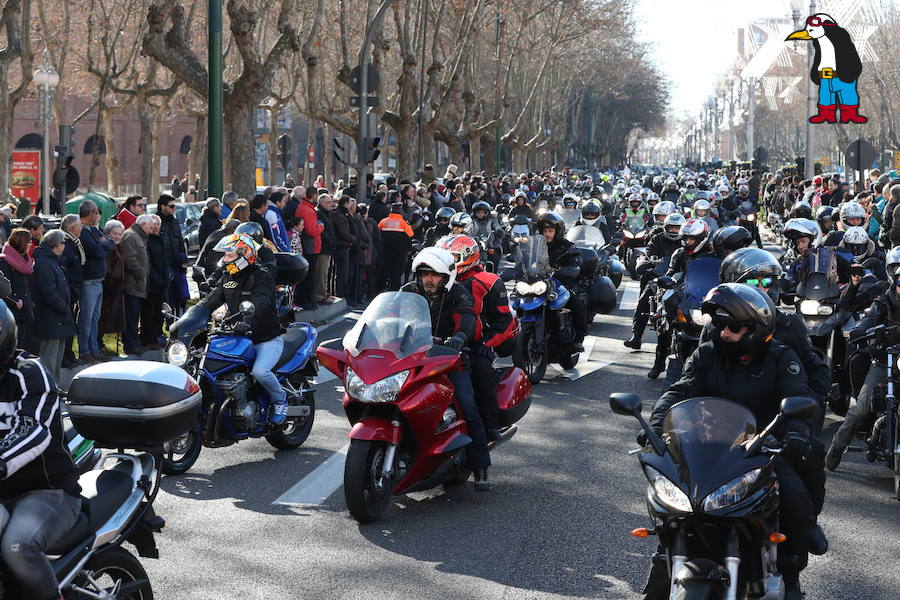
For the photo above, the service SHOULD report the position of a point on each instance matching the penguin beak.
(799, 35)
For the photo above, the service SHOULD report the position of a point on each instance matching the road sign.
(371, 83)
(371, 101)
(859, 154)
(761, 155)
(896, 160)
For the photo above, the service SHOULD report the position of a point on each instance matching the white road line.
(630, 296)
(316, 487)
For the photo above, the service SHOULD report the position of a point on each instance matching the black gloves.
(455, 342)
(796, 447)
(241, 328)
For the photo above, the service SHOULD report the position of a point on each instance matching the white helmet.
(666, 207)
(857, 243)
(702, 205)
(436, 260)
(852, 210)
(677, 220)
(724, 189)
(461, 219)
(892, 261)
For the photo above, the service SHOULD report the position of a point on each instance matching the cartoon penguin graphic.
(836, 68)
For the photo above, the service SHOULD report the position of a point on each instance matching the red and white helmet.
(465, 251)
(694, 235)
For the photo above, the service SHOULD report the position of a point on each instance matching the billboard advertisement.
(26, 175)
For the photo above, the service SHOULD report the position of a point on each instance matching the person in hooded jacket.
(565, 257)
(209, 221)
(17, 267)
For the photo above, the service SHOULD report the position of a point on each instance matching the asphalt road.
(556, 525)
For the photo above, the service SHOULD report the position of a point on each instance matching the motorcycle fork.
(679, 557)
(732, 563)
(893, 445)
(387, 467)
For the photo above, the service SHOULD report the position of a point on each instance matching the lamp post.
(215, 175)
(46, 78)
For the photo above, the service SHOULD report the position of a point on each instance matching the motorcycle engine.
(241, 411)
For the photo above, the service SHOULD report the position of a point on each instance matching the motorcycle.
(882, 436)
(634, 233)
(747, 217)
(235, 407)
(596, 289)
(682, 303)
(407, 432)
(84, 453)
(713, 496)
(547, 334)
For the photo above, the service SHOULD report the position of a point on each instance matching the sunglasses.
(170, 206)
(443, 221)
(730, 323)
(766, 282)
(818, 22)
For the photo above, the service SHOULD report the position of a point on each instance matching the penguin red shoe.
(827, 114)
(849, 114)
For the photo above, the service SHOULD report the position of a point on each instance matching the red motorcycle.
(408, 434)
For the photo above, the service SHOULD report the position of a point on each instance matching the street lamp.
(46, 78)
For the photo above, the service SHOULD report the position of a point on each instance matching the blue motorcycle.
(547, 334)
(235, 407)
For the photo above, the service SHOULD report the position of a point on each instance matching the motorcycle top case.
(133, 404)
(292, 268)
(602, 297)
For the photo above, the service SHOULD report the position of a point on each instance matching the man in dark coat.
(72, 260)
(170, 234)
(209, 220)
(53, 320)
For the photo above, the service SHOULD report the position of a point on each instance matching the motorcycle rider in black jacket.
(453, 323)
(565, 258)
(745, 364)
(40, 498)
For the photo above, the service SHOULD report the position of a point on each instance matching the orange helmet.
(464, 249)
(241, 244)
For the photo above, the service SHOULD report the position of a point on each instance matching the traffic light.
(66, 146)
(338, 151)
(284, 151)
(371, 150)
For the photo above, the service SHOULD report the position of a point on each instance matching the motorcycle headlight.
(809, 307)
(177, 354)
(666, 491)
(699, 317)
(628, 234)
(751, 217)
(385, 390)
(539, 288)
(732, 492)
(524, 288)
(825, 310)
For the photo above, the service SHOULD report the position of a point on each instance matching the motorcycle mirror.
(247, 308)
(569, 272)
(166, 309)
(623, 403)
(507, 275)
(666, 283)
(799, 407)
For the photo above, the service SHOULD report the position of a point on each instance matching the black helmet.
(481, 205)
(551, 219)
(735, 305)
(801, 210)
(823, 215)
(752, 263)
(444, 213)
(252, 229)
(521, 219)
(591, 210)
(8, 336)
(728, 239)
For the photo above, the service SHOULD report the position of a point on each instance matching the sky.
(695, 41)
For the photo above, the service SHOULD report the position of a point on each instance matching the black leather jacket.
(256, 285)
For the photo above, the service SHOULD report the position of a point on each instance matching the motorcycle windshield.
(702, 433)
(397, 322)
(702, 275)
(820, 280)
(533, 260)
(635, 224)
(568, 215)
(586, 236)
(520, 231)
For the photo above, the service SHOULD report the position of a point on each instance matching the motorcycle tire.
(694, 590)
(366, 493)
(294, 430)
(529, 359)
(187, 448)
(116, 565)
(568, 361)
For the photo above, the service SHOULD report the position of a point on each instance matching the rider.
(670, 193)
(659, 251)
(743, 363)
(701, 210)
(483, 221)
(441, 225)
(563, 253)
(39, 494)
(591, 216)
(728, 239)
(453, 322)
(495, 323)
(825, 219)
(461, 223)
(852, 214)
(884, 311)
(243, 278)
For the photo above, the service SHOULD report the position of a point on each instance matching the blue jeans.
(89, 316)
(834, 91)
(35, 521)
(267, 355)
(477, 452)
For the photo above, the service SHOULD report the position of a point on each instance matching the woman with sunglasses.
(744, 363)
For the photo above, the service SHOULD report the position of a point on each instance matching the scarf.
(77, 243)
(22, 264)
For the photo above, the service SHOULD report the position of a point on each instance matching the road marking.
(316, 487)
(630, 296)
(324, 376)
(585, 365)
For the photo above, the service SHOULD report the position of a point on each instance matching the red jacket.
(496, 322)
(126, 218)
(311, 238)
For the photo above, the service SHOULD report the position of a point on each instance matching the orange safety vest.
(396, 223)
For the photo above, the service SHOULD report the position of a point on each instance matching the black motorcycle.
(682, 300)
(713, 496)
(595, 289)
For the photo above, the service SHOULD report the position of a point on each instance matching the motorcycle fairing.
(562, 295)
(375, 429)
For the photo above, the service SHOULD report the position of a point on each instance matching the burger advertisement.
(25, 180)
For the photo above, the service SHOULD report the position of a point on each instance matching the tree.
(15, 74)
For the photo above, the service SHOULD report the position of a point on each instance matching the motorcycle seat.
(293, 338)
(102, 492)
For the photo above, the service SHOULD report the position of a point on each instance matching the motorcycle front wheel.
(183, 453)
(114, 570)
(694, 590)
(529, 358)
(896, 457)
(294, 430)
(366, 490)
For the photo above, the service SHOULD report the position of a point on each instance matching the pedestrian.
(275, 220)
(158, 274)
(228, 201)
(35, 225)
(137, 267)
(6, 225)
(53, 320)
(17, 266)
(396, 235)
(134, 207)
(289, 181)
(170, 234)
(292, 203)
(357, 253)
(311, 243)
(259, 206)
(24, 208)
(112, 317)
(371, 256)
(72, 261)
(344, 241)
(320, 291)
(175, 187)
(97, 247)
(210, 220)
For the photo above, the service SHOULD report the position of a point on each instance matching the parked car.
(188, 215)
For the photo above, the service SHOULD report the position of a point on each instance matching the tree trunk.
(428, 146)
(112, 159)
(196, 152)
(241, 148)
(328, 158)
(6, 125)
(145, 143)
(457, 156)
(273, 147)
(475, 153)
(154, 150)
(490, 153)
(406, 150)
